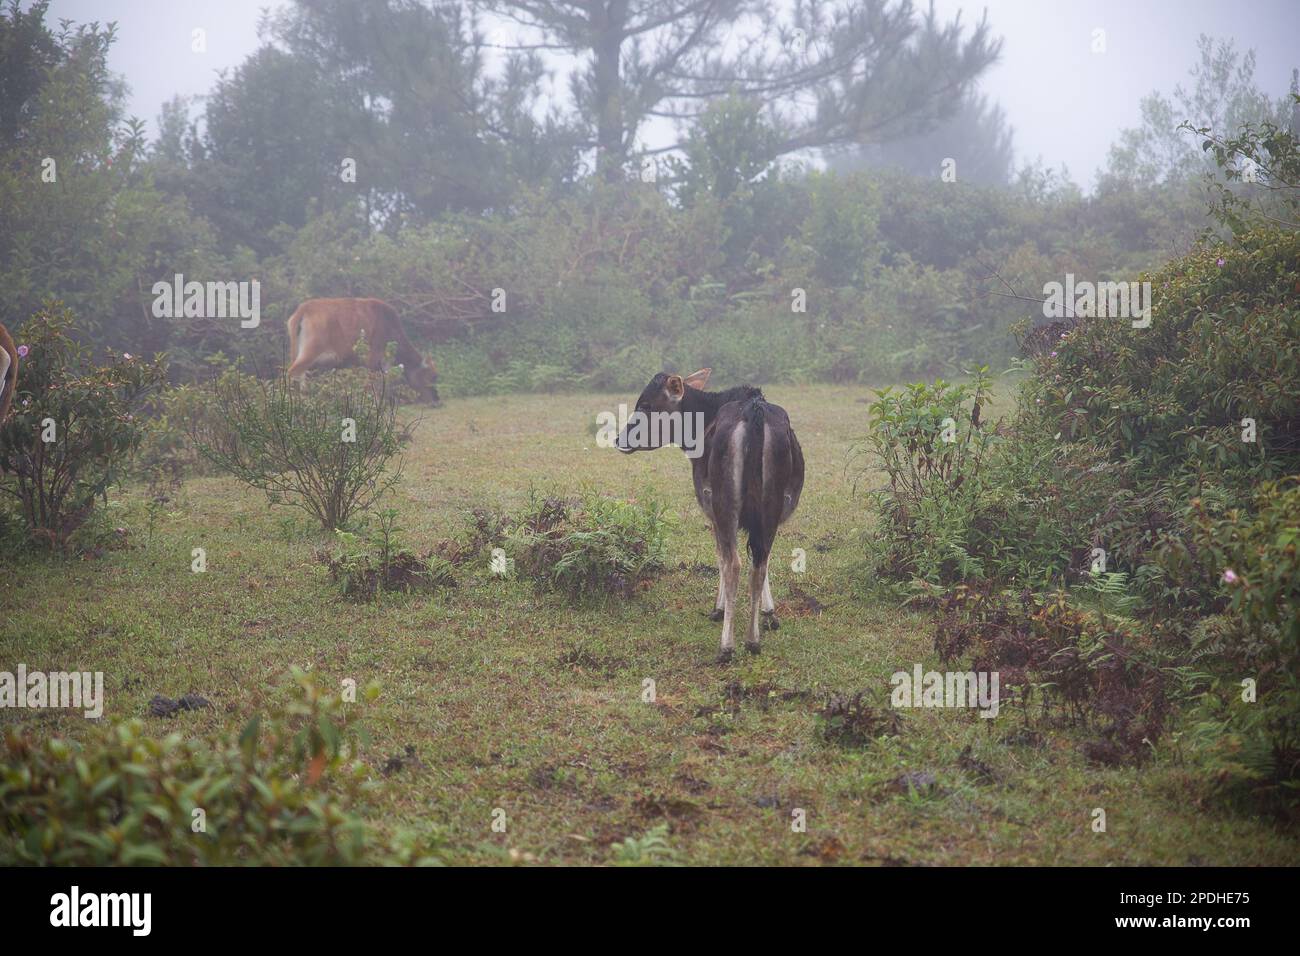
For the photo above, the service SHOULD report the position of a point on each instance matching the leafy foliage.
(288, 790)
(1256, 559)
(324, 448)
(364, 565)
(73, 428)
(650, 849)
(931, 441)
(590, 546)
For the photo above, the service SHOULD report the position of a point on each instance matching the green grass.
(514, 700)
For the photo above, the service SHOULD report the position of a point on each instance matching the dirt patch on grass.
(802, 604)
(680, 814)
(828, 849)
(406, 760)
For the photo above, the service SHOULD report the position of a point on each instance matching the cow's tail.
(295, 328)
(759, 524)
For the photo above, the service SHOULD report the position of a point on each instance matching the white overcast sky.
(1066, 103)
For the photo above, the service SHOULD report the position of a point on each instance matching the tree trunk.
(607, 22)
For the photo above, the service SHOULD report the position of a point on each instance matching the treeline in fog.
(402, 151)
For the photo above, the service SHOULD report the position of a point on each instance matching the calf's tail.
(759, 524)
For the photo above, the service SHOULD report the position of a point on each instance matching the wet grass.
(495, 696)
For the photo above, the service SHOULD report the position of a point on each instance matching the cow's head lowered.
(423, 377)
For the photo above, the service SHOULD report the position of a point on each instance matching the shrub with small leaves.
(74, 425)
(1256, 561)
(288, 790)
(323, 448)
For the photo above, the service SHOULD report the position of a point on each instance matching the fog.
(1065, 102)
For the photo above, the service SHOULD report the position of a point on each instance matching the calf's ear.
(698, 379)
(674, 387)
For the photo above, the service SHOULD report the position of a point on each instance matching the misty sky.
(1066, 103)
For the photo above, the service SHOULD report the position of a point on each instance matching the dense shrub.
(323, 448)
(288, 790)
(1119, 429)
(1172, 405)
(1154, 466)
(74, 426)
(1256, 561)
(594, 545)
(581, 547)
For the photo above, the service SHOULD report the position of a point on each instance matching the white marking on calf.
(729, 561)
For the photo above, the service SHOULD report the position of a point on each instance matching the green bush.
(323, 448)
(1118, 431)
(931, 441)
(1256, 562)
(1168, 405)
(288, 790)
(90, 414)
(589, 546)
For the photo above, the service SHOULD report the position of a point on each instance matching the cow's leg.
(297, 373)
(770, 620)
(718, 604)
(730, 587)
(757, 586)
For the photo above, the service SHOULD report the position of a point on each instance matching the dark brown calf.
(748, 474)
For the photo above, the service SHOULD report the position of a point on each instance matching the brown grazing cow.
(8, 372)
(748, 470)
(323, 333)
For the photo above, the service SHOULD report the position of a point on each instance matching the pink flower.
(1229, 576)
(1219, 262)
(22, 351)
(1053, 355)
(127, 356)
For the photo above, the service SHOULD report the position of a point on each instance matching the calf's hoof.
(725, 655)
(715, 615)
(770, 621)
(753, 647)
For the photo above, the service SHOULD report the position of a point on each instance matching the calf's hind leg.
(770, 620)
(757, 595)
(730, 561)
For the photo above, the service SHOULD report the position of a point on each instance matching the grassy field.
(514, 700)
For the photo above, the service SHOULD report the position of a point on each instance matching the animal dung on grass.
(161, 706)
